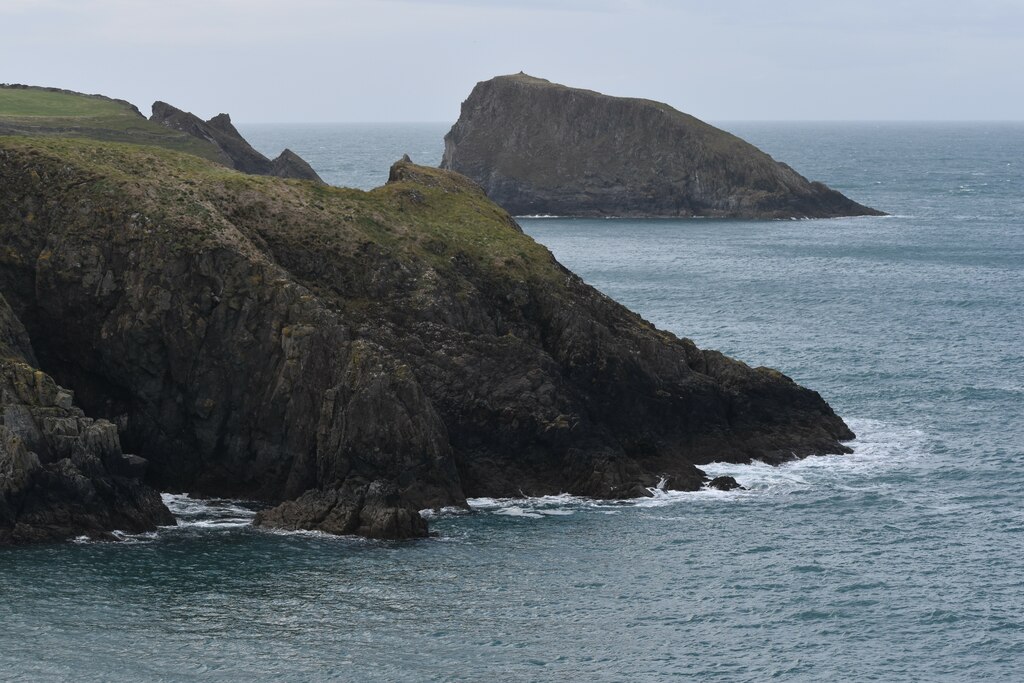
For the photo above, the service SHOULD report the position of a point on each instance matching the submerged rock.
(537, 147)
(62, 474)
(239, 154)
(354, 357)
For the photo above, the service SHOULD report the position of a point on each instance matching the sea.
(903, 561)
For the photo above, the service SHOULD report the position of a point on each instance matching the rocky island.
(347, 357)
(540, 148)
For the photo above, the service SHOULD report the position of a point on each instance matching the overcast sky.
(416, 60)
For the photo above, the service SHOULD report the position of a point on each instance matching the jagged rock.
(61, 474)
(288, 164)
(353, 357)
(239, 154)
(537, 147)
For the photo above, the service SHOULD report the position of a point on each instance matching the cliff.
(220, 132)
(62, 474)
(353, 357)
(537, 147)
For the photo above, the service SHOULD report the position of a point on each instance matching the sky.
(417, 60)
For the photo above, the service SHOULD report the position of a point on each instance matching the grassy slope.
(428, 218)
(40, 111)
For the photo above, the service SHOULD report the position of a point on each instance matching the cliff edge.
(537, 147)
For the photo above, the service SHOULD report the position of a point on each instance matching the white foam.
(213, 513)
(312, 533)
(879, 447)
(429, 513)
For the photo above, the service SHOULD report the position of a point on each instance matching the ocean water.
(901, 562)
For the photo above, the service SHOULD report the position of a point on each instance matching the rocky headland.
(35, 111)
(240, 155)
(539, 148)
(348, 357)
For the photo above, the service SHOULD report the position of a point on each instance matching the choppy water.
(902, 562)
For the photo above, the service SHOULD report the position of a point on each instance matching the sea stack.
(537, 147)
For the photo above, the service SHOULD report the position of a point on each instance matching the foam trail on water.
(878, 448)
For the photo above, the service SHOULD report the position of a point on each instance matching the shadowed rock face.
(61, 474)
(352, 356)
(537, 147)
(239, 154)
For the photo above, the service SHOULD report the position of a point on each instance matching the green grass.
(40, 103)
(41, 112)
(435, 218)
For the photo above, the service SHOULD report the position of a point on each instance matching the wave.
(879, 448)
(208, 513)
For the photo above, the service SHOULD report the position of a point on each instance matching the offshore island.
(176, 316)
(540, 148)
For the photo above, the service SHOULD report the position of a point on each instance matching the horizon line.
(708, 120)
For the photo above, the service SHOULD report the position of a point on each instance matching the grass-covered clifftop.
(356, 356)
(35, 111)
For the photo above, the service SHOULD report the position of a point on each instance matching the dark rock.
(725, 483)
(537, 147)
(354, 357)
(238, 153)
(374, 510)
(61, 474)
(288, 164)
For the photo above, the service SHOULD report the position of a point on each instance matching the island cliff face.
(238, 153)
(539, 148)
(353, 357)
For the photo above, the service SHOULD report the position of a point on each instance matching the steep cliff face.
(62, 474)
(240, 154)
(357, 356)
(537, 147)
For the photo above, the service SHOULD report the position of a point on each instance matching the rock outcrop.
(353, 357)
(239, 153)
(62, 474)
(537, 147)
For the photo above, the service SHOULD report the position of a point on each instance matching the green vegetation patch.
(426, 218)
(43, 103)
(49, 112)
